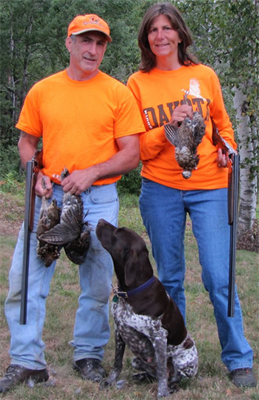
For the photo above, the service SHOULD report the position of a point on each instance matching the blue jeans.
(91, 331)
(164, 211)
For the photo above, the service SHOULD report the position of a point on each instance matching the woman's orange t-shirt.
(158, 93)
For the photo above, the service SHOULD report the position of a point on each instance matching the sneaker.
(16, 374)
(90, 369)
(243, 377)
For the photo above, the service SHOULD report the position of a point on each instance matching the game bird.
(72, 232)
(186, 138)
(49, 217)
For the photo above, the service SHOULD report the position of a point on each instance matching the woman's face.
(163, 39)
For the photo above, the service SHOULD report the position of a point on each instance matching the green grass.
(211, 383)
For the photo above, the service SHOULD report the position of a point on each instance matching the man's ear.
(68, 43)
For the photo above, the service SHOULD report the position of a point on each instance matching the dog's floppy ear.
(131, 268)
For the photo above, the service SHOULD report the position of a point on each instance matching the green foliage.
(11, 185)
(130, 183)
(9, 161)
(33, 32)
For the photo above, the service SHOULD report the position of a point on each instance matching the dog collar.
(118, 293)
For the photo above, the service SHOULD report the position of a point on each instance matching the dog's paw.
(163, 393)
(104, 384)
(108, 383)
(121, 384)
(173, 388)
(142, 377)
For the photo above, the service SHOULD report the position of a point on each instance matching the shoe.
(90, 369)
(16, 374)
(243, 377)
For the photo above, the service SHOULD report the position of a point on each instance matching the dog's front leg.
(160, 346)
(117, 366)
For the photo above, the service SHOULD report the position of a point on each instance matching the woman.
(169, 87)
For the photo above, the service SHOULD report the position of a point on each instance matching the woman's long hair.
(148, 59)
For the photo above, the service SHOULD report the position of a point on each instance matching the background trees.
(226, 37)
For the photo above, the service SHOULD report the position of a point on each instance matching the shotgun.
(32, 168)
(233, 190)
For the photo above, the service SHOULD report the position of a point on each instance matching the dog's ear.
(131, 268)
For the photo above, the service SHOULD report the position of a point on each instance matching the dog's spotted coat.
(142, 332)
(146, 319)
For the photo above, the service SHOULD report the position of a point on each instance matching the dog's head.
(128, 251)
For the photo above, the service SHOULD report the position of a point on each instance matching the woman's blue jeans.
(164, 211)
(91, 330)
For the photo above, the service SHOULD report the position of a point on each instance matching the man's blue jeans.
(164, 211)
(91, 331)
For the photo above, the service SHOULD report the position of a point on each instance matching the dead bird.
(49, 217)
(72, 232)
(186, 138)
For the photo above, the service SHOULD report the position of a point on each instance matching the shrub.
(130, 183)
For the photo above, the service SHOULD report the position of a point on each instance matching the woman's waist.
(170, 174)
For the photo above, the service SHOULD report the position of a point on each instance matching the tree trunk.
(248, 181)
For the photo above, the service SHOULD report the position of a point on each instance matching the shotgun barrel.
(233, 192)
(28, 225)
(233, 189)
(32, 168)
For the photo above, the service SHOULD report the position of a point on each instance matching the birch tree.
(226, 37)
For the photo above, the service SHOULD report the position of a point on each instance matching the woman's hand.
(180, 113)
(222, 159)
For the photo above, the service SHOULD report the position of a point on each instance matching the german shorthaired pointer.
(146, 318)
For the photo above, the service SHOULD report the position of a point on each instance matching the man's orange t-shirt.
(79, 121)
(158, 93)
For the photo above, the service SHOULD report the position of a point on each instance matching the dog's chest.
(141, 332)
(125, 318)
(137, 331)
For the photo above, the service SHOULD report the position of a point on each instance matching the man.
(89, 123)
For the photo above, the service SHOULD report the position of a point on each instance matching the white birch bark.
(247, 149)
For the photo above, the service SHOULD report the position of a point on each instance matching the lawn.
(212, 380)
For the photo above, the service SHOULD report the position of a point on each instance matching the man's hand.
(80, 180)
(43, 186)
(126, 159)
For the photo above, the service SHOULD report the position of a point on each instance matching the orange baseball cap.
(87, 23)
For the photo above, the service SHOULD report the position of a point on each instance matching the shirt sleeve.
(128, 118)
(29, 120)
(151, 141)
(219, 114)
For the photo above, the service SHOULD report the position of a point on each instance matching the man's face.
(86, 54)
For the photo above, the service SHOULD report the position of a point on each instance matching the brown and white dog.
(146, 318)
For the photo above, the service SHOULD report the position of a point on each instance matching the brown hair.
(148, 59)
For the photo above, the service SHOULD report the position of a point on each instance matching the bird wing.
(68, 230)
(198, 127)
(172, 134)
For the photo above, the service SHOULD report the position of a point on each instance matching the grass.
(211, 382)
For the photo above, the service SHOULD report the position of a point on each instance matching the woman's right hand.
(180, 113)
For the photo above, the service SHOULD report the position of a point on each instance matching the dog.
(146, 318)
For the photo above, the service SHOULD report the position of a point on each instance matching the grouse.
(49, 217)
(186, 139)
(71, 233)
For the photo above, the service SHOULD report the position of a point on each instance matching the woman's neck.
(167, 63)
